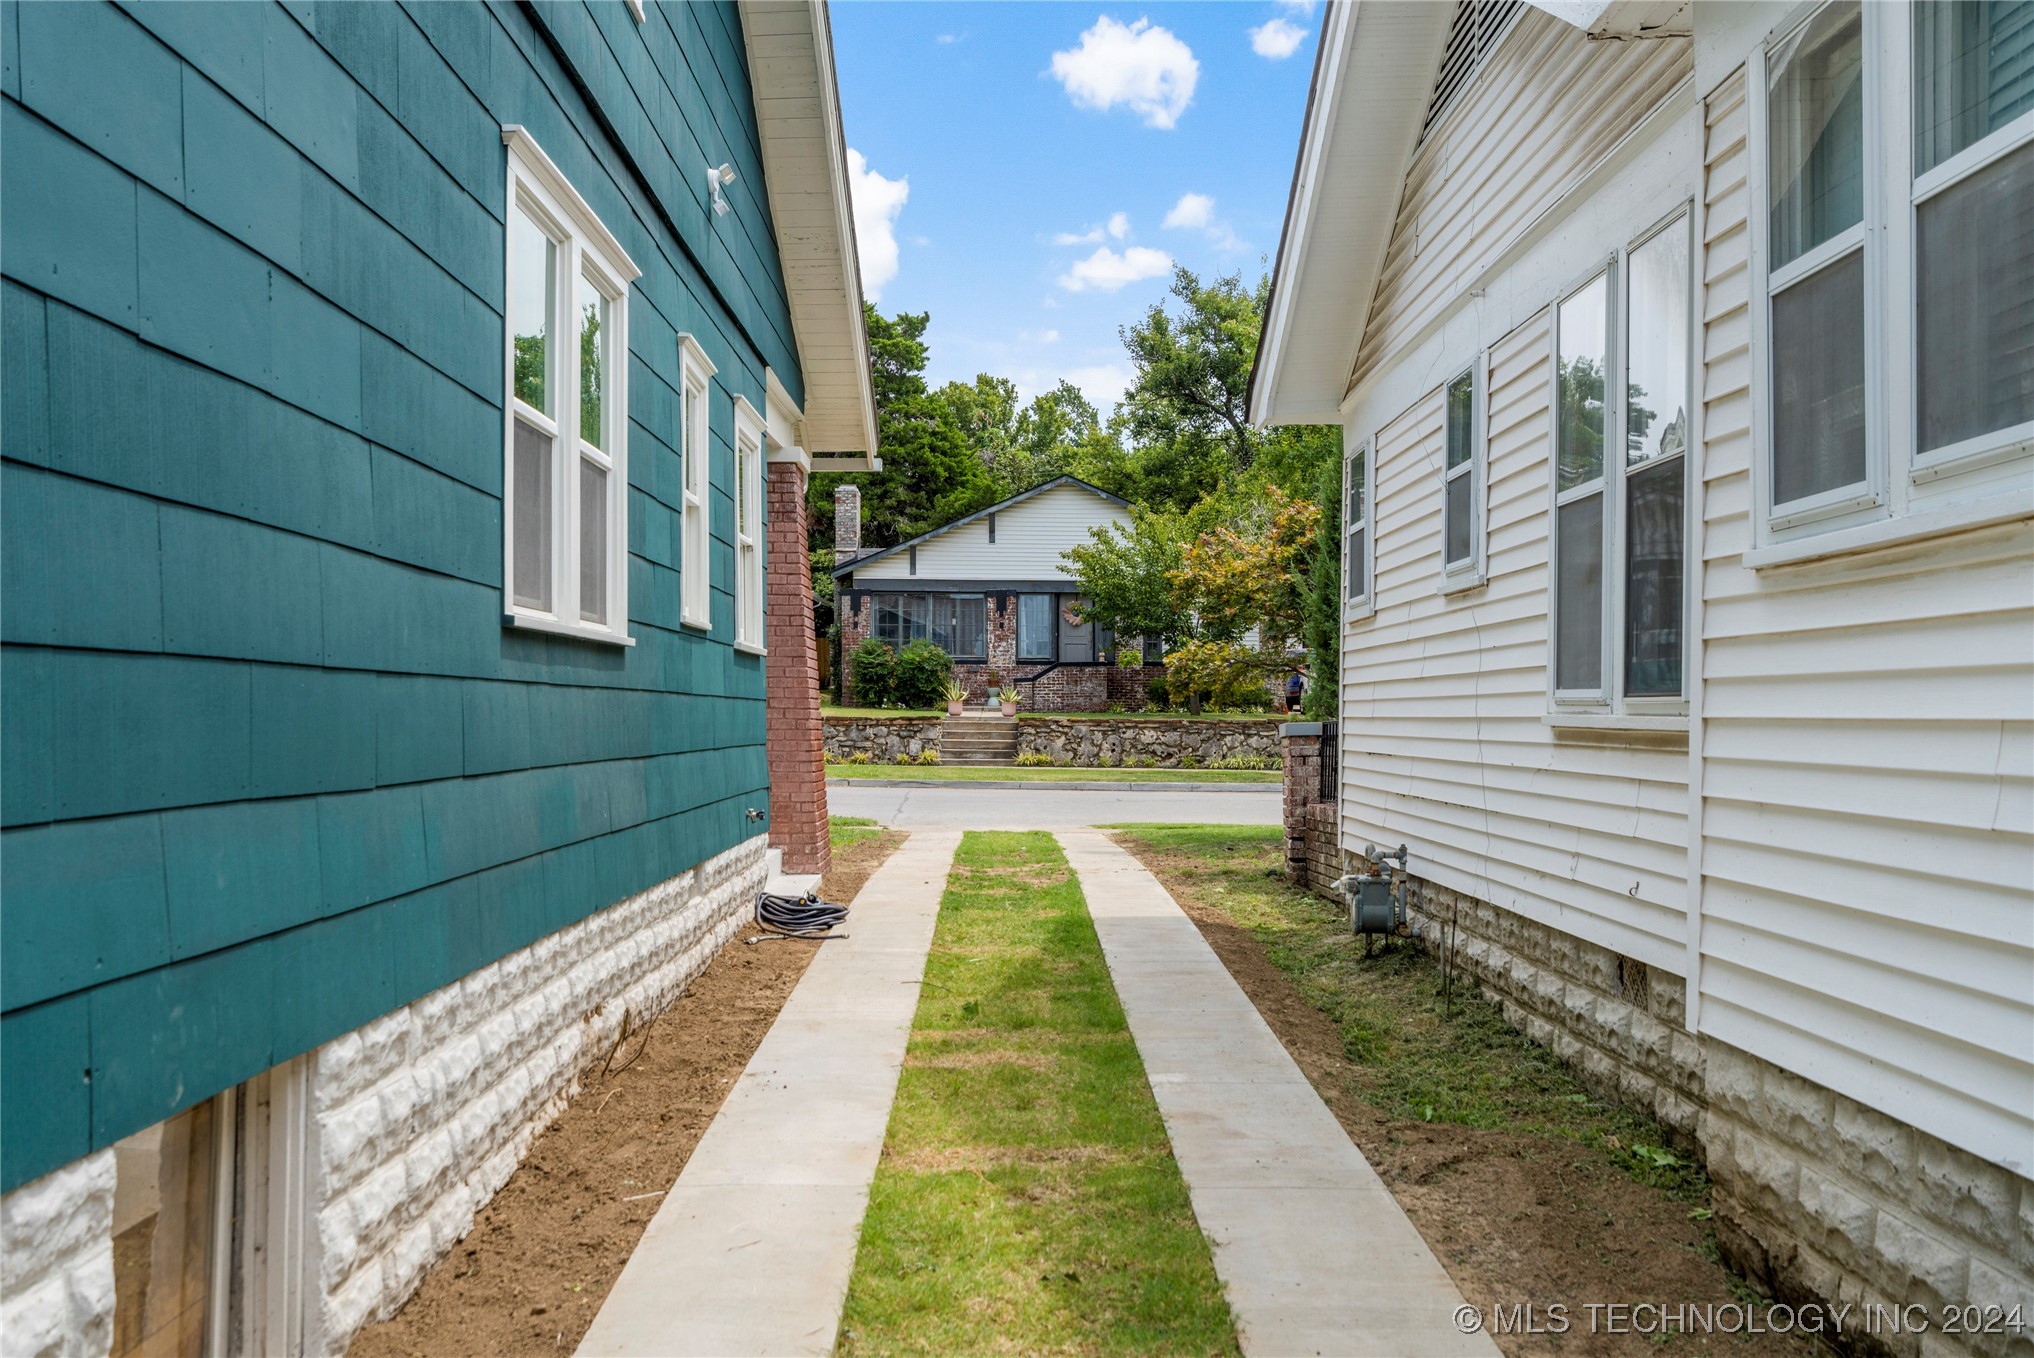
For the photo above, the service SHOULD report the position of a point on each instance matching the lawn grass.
(928, 713)
(1416, 1057)
(1045, 773)
(1027, 1201)
(922, 713)
(845, 831)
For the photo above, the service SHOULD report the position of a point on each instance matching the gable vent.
(1479, 26)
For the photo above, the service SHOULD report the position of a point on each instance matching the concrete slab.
(751, 1250)
(1316, 1255)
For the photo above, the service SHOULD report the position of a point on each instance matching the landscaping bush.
(872, 670)
(1223, 674)
(923, 670)
(859, 757)
(1156, 693)
(1244, 761)
(1032, 759)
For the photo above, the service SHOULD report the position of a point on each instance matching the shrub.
(859, 757)
(1222, 673)
(1032, 759)
(1189, 761)
(905, 757)
(872, 672)
(1156, 694)
(923, 671)
(1244, 761)
(928, 756)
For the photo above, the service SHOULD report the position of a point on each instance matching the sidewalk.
(751, 1250)
(1317, 1256)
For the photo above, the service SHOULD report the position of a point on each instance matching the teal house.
(401, 406)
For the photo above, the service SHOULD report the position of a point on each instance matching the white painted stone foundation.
(56, 1262)
(417, 1118)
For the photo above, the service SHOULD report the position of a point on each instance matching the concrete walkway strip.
(751, 1250)
(1317, 1256)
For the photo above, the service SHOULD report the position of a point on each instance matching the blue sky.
(1016, 165)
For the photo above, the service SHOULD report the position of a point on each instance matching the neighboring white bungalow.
(994, 590)
(1684, 357)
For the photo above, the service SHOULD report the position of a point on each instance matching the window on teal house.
(565, 453)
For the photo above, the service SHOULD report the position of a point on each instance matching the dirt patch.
(1514, 1217)
(541, 1256)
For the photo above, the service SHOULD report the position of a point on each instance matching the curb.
(1096, 785)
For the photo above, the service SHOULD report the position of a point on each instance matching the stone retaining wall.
(880, 738)
(418, 1118)
(1168, 742)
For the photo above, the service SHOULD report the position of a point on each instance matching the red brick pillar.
(794, 739)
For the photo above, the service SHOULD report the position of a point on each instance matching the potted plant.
(1007, 696)
(956, 697)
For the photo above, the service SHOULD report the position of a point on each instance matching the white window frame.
(587, 256)
(1468, 572)
(1908, 493)
(1609, 702)
(749, 429)
(1363, 605)
(695, 458)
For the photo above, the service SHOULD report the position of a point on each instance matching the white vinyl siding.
(695, 453)
(1030, 537)
(1545, 108)
(1867, 794)
(1445, 744)
(565, 406)
(748, 488)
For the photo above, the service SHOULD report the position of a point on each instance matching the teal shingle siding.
(272, 765)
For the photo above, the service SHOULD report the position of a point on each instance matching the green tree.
(1323, 627)
(930, 475)
(1126, 575)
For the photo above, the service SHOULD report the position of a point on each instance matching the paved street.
(985, 806)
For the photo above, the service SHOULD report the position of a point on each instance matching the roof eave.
(1373, 75)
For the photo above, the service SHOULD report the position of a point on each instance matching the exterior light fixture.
(717, 179)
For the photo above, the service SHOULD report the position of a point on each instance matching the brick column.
(794, 739)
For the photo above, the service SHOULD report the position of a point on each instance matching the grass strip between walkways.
(1047, 773)
(1027, 1200)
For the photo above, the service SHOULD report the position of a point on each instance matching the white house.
(995, 591)
(1684, 357)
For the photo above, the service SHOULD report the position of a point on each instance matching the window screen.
(1035, 614)
(1818, 382)
(1578, 647)
(1975, 298)
(1652, 596)
(532, 517)
(1815, 135)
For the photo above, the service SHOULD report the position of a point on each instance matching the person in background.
(1295, 689)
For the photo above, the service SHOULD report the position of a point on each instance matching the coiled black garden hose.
(804, 916)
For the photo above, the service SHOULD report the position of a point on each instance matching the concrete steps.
(978, 739)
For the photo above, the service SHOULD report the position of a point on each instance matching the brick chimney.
(847, 523)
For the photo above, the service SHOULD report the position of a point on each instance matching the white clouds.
(1137, 64)
(1276, 39)
(877, 202)
(1106, 271)
(1103, 384)
(1196, 212)
(1117, 226)
(1193, 210)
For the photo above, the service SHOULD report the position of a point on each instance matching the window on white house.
(1582, 354)
(956, 623)
(1617, 628)
(1898, 256)
(1459, 477)
(1655, 419)
(1974, 222)
(1356, 526)
(695, 455)
(566, 449)
(1815, 140)
(748, 525)
(1036, 626)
